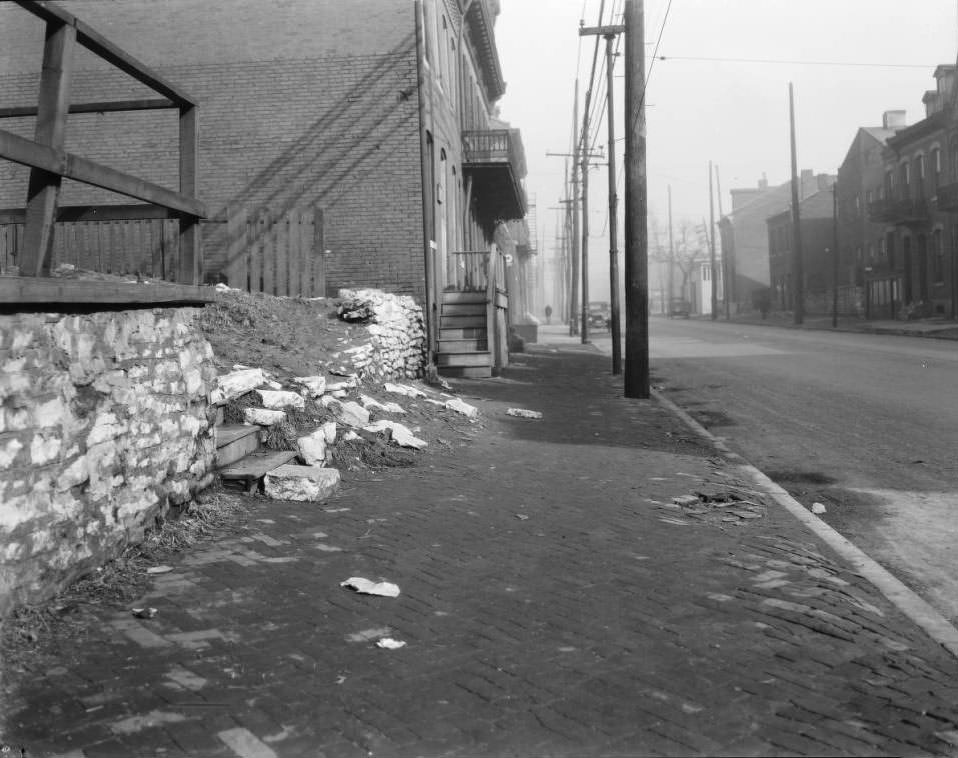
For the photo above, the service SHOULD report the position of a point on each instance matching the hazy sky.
(734, 114)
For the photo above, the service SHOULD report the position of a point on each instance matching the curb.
(904, 599)
(887, 331)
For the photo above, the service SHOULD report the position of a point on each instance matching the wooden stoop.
(239, 458)
(463, 338)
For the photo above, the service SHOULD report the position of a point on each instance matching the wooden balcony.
(494, 160)
(904, 212)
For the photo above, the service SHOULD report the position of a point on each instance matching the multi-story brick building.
(861, 240)
(914, 273)
(744, 234)
(816, 223)
(380, 112)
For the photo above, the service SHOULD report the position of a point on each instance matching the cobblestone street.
(554, 602)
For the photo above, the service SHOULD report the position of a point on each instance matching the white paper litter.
(159, 569)
(390, 644)
(818, 509)
(523, 413)
(367, 587)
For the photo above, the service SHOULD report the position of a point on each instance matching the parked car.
(679, 307)
(599, 315)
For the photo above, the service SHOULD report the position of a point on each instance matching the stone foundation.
(104, 424)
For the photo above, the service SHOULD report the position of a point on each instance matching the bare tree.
(690, 249)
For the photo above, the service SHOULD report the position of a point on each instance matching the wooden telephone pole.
(610, 33)
(636, 207)
(798, 264)
(713, 270)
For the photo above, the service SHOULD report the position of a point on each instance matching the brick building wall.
(302, 103)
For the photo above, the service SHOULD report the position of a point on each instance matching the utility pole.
(583, 322)
(835, 254)
(613, 216)
(636, 208)
(798, 267)
(610, 33)
(713, 270)
(671, 259)
(725, 283)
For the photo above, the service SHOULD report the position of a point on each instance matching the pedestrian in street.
(548, 314)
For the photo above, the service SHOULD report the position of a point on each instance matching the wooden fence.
(276, 252)
(146, 247)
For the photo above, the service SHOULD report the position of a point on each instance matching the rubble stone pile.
(397, 346)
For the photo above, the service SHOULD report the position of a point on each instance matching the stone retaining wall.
(104, 424)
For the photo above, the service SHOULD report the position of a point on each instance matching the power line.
(766, 61)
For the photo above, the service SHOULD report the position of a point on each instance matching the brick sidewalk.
(553, 604)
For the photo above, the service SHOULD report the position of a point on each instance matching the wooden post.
(44, 188)
(636, 207)
(191, 257)
(798, 266)
(835, 255)
(319, 256)
(713, 269)
(237, 272)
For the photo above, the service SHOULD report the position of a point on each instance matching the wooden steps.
(248, 471)
(234, 442)
(463, 336)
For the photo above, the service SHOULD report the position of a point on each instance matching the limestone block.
(236, 383)
(402, 389)
(370, 403)
(329, 431)
(263, 416)
(302, 483)
(315, 385)
(279, 399)
(457, 405)
(349, 413)
(312, 448)
(401, 434)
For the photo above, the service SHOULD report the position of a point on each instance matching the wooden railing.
(494, 146)
(49, 163)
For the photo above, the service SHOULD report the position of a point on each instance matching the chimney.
(893, 120)
(932, 101)
(763, 182)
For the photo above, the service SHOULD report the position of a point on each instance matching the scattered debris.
(367, 587)
(401, 434)
(402, 389)
(522, 517)
(818, 509)
(372, 404)
(144, 613)
(686, 501)
(368, 635)
(390, 644)
(523, 413)
(159, 569)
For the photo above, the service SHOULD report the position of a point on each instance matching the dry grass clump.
(281, 436)
(233, 410)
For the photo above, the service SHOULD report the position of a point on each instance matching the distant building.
(817, 233)
(914, 273)
(744, 233)
(862, 241)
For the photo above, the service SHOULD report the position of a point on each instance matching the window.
(920, 175)
(938, 257)
(936, 167)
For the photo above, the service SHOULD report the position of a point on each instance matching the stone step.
(234, 442)
(248, 471)
(462, 322)
(464, 359)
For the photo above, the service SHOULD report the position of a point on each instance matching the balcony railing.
(898, 211)
(494, 146)
(948, 197)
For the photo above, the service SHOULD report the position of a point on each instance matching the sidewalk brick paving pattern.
(604, 623)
